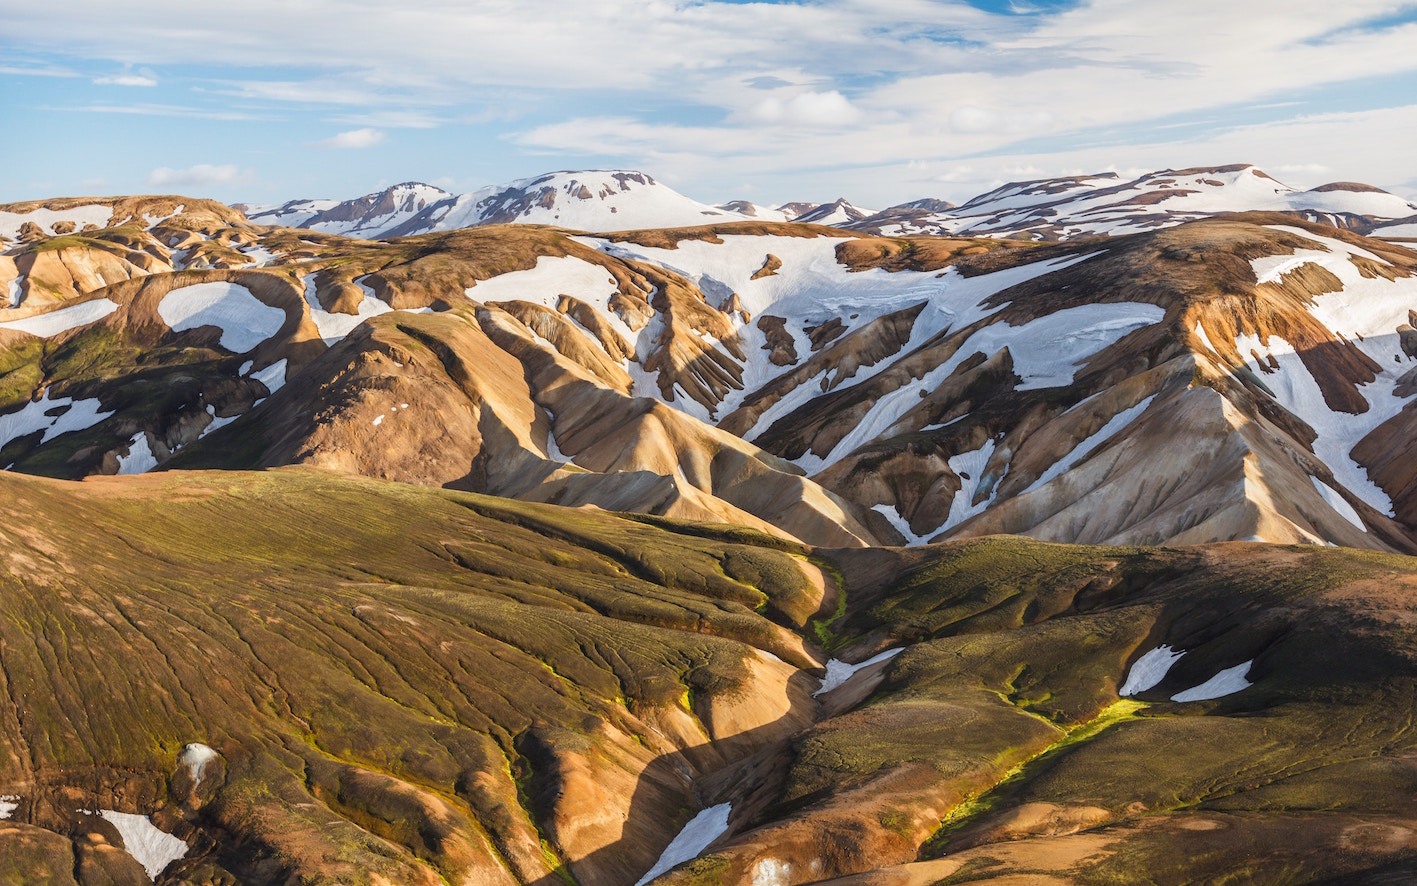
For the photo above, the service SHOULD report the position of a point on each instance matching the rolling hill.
(483, 541)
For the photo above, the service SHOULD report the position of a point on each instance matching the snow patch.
(153, 849)
(80, 415)
(244, 320)
(901, 525)
(1149, 670)
(378, 421)
(702, 829)
(335, 326)
(273, 376)
(64, 319)
(15, 292)
(8, 804)
(970, 468)
(772, 872)
(1227, 682)
(140, 458)
(217, 422)
(838, 672)
(91, 214)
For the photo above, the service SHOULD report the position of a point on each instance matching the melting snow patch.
(64, 319)
(838, 672)
(217, 422)
(334, 326)
(970, 468)
(195, 757)
(140, 458)
(901, 525)
(245, 321)
(378, 421)
(772, 872)
(1338, 503)
(1227, 682)
(153, 849)
(15, 292)
(8, 805)
(1149, 670)
(702, 829)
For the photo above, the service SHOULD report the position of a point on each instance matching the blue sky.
(877, 101)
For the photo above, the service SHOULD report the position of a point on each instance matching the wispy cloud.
(202, 175)
(144, 77)
(159, 110)
(354, 138)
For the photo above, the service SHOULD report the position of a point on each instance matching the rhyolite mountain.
(477, 545)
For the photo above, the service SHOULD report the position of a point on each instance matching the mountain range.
(1048, 209)
(576, 531)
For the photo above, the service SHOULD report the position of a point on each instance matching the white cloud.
(809, 109)
(202, 175)
(354, 138)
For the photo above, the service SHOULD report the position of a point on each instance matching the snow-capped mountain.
(606, 200)
(370, 216)
(838, 213)
(1063, 208)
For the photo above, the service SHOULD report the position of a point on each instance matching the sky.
(879, 101)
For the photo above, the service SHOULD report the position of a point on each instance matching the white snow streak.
(334, 326)
(970, 468)
(1085, 448)
(273, 376)
(901, 525)
(702, 829)
(1338, 503)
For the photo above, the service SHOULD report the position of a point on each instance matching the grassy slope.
(303, 625)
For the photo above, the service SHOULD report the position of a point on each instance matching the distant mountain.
(1074, 206)
(839, 213)
(369, 216)
(586, 201)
